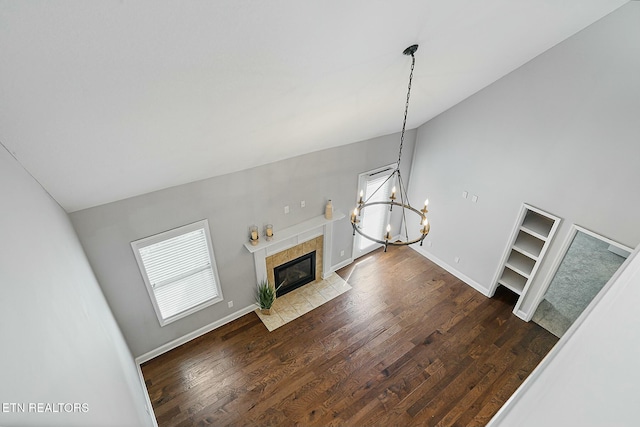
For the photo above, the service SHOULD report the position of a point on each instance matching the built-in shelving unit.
(530, 238)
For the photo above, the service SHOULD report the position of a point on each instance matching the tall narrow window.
(179, 270)
(374, 218)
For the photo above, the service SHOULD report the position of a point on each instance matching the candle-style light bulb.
(354, 214)
(425, 226)
(393, 192)
(361, 196)
(387, 236)
(426, 204)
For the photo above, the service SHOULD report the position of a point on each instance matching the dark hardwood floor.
(410, 344)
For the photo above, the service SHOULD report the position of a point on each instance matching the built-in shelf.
(537, 225)
(512, 280)
(520, 263)
(528, 245)
(530, 238)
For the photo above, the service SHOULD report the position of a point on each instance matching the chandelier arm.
(390, 243)
(404, 224)
(405, 206)
(404, 197)
(381, 185)
(402, 200)
(356, 229)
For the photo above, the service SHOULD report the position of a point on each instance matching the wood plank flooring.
(410, 344)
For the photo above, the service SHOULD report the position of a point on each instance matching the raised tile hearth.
(302, 300)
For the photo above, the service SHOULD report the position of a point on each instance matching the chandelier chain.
(406, 108)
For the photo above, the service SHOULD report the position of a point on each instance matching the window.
(374, 218)
(179, 270)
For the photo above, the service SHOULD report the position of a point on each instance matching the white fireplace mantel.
(292, 236)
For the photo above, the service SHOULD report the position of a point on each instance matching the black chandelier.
(403, 204)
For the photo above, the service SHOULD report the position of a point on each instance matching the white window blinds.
(179, 271)
(374, 218)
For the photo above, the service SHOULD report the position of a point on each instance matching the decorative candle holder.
(253, 235)
(268, 231)
(328, 210)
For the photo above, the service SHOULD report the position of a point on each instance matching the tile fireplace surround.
(297, 251)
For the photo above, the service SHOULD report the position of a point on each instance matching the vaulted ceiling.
(107, 99)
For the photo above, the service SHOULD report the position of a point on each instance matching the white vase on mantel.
(328, 210)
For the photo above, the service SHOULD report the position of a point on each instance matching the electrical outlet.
(303, 204)
(464, 194)
(474, 199)
(341, 253)
(286, 209)
(230, 304)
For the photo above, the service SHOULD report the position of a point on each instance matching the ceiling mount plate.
(410, 50)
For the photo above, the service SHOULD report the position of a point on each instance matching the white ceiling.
(104, 100)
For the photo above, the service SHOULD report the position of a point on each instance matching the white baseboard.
(339, 265)
(149, 407)
(469, 281)
(195, 334)
(521, 314)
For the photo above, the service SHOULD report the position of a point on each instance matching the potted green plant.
(265, 296)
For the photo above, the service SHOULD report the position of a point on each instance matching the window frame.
(166, 235)
(363, 178)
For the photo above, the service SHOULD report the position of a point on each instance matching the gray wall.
(231, 203)
(560, 133)
(60, 343)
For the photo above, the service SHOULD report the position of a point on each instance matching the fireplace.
(287, 255)
(295, 273)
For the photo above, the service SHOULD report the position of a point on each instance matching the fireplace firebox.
(295, 273)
